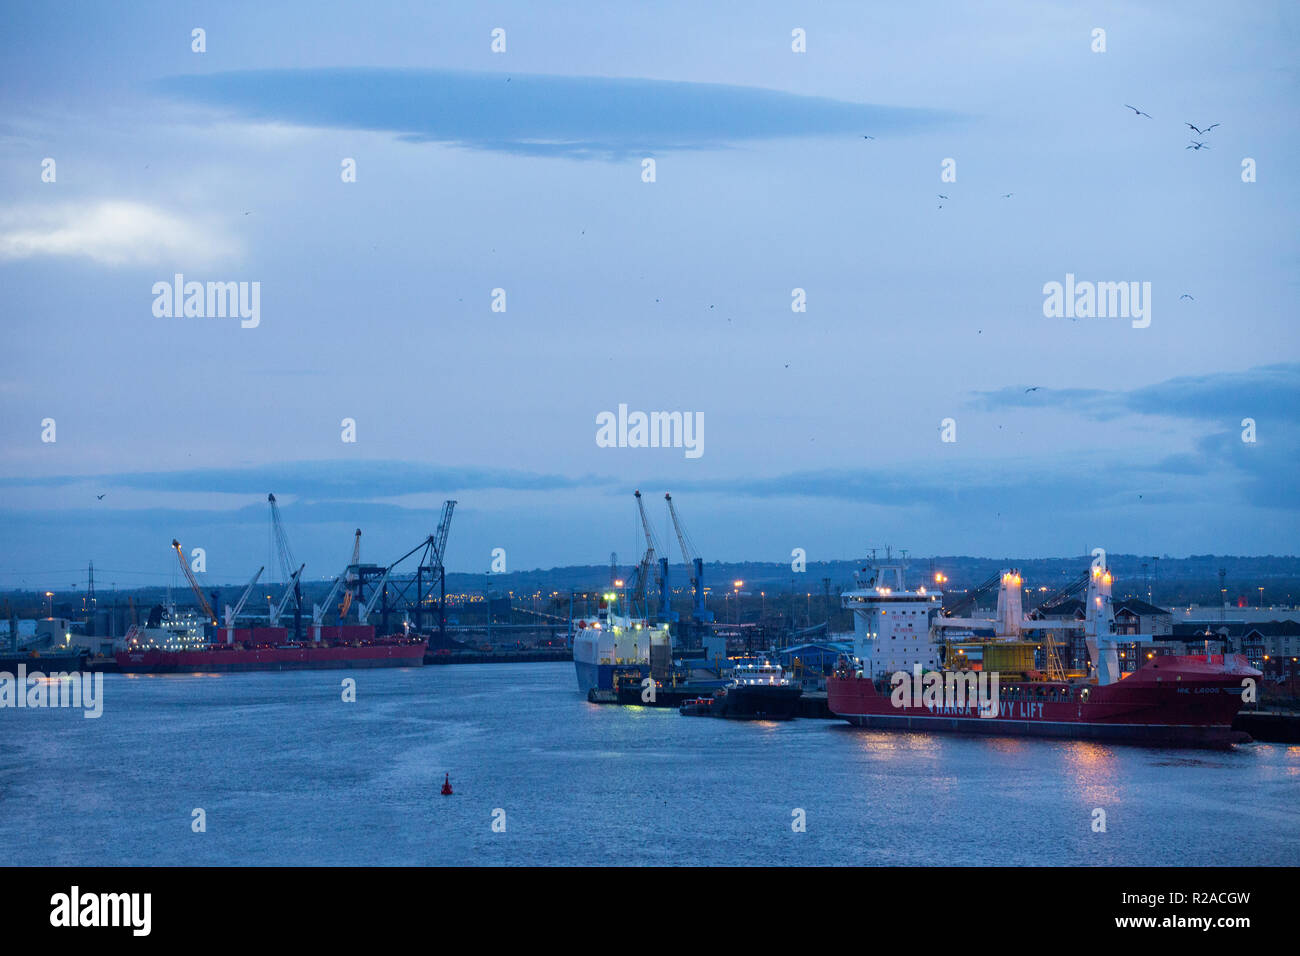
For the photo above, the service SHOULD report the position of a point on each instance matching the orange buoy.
(446, 786)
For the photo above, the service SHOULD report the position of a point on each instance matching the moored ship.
(903, 640)
(757, 692)
(611, 643)
(175, 643)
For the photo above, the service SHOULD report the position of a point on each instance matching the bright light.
(618, 583)
(737, 583)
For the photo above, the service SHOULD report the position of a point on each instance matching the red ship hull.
(1187, 700)
(220, 658)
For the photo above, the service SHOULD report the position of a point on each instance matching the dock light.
(737, 583)
(940, 577)
(618, 583)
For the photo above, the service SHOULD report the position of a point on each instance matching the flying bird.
(868, 137)
(1196, 145)
(1007, 195)
(1032, 388)
(1186, 296)
(942, 196)
(1138, 111)
(100, 497)
(1198, 130)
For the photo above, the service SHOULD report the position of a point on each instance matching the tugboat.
(757, 692)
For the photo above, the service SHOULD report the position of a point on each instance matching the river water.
(286, 772)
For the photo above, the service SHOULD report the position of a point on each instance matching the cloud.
(110, 232)
(1257, 392)
(582, 117)
(324, 480)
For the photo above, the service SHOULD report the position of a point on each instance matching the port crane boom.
(699, 613)
(286, 566)
(350, 577)
(289, 591)
(363, 612)
(194, 584)
(233, 613)
(648, 561)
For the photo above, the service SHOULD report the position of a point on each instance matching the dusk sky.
(523, 171)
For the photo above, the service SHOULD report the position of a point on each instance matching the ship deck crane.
(969, 600)
(1077, 586)
(233, 613)
(290, 590)
(346, 577)
(699, 613)
(194, 584)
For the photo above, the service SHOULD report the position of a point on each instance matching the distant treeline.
(1170, 581)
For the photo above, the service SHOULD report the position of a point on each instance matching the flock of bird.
(1195, 144)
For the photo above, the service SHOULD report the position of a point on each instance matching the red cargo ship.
(1169, 699)
(176, 646)
(901, 633)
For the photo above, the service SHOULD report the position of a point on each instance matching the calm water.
(289, 774)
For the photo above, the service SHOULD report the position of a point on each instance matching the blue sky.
(523, 171)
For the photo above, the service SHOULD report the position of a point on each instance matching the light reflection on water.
(288, 773)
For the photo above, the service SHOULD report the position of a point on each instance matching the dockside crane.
(194, 584)
(350, 578)
(232, 613)
(438, 548)
(699, 613)
(641, 579)
(431, 561)
(286, 567)
(345, 578)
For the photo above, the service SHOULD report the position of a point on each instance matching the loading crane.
(286, 566)
(291, 589)
(431, 562)
(233, 613)
(699, 613)
(969, 600)
(1077, 586)
(363, 612)
(641, 579)
(346, 577)
(194, 584)
(350, 578)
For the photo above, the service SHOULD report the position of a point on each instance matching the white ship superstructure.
(892, 624)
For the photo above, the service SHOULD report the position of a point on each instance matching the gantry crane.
(699, 613)
(194, 584)
(431, 562)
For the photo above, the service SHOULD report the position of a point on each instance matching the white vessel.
(611, 642)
